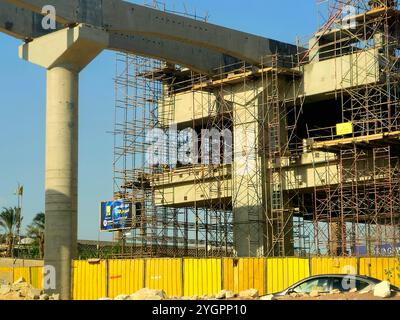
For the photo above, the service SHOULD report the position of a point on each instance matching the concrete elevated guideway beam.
(131, 19)
(25, 24)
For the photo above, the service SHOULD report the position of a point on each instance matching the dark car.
(328, 282)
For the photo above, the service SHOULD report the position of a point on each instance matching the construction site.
(313, 131)
(239, 162)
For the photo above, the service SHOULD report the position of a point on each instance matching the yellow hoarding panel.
(202, 276)
(165, 274)
(89, 280)
(284, 272)
(36, 277)
(243, 274)
(22, 272)
(333, 266)
(125, 277)
(6, 275)
(382, 269)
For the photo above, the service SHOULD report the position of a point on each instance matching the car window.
(344, 284)
(320, 285)
(360, 284)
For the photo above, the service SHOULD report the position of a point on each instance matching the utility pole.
(19, 193)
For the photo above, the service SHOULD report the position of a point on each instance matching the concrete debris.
(20, 286)
(25, 291)
(20, 280)
(269, 297)
(4, 289)
(225, 294)
(122, 297)
(148, 294)
(44, 297)
(353, 290)
(221, 295)
(34, 293)
(335, 291)
(55, 296)
(382, 290)
(251, 293)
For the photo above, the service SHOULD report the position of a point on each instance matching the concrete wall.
(184, 108)
(343, 72)
(194, 194)
(9, 263)
(190, 186)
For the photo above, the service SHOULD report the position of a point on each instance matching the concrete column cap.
(73, 47)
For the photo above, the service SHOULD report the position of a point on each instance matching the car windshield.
(320, 285)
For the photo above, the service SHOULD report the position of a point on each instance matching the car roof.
(342, 276)
(339, 276)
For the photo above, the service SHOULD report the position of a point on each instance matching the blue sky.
(22, 105)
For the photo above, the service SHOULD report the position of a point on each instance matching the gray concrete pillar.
(61, 173)
(64, 54)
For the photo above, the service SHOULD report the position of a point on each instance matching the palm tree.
(10, 219)
(36, 231)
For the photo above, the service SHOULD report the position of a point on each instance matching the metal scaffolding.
(301, 188)
(357, 210)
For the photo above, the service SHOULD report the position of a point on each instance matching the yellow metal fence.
(125, 276)
(188, 277)
(32, 275)
(201, 276)
(382, 269)
(334, 266)
(284, 272)
(165, 274)
(89, 280)
(243, 274)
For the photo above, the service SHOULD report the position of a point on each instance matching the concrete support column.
(247, 190)
(61, 173)
(64, 54)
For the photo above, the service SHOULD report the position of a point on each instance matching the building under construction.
(297, 155)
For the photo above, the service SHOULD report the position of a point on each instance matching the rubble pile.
(151, 294)
(22, 290)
